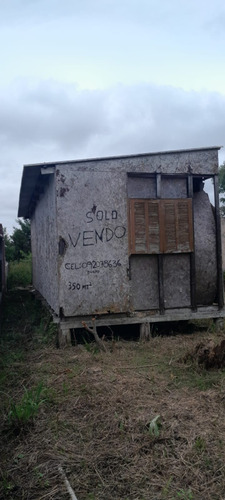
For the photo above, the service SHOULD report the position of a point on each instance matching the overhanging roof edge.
(119, 157)
(31, 172)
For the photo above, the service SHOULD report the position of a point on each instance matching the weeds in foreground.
(155, 426)
(181, 494)
(22, 414)
(92, 347)
(200, 444)
(7, 485)
(184, 494)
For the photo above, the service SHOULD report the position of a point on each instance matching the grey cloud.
(146, 115)
(49, 121)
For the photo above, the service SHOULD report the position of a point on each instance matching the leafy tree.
(222, 188)
(18, 245)
(9, 247)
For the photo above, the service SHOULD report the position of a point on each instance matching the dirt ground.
(142, 421)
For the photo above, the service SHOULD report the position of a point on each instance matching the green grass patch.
(23, 413)
(195, 377)
(20, 273)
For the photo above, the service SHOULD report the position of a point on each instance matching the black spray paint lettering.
(91, 238)
(93, 264)
(101, 215)
(77, 286)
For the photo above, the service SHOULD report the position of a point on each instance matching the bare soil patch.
(95, 421)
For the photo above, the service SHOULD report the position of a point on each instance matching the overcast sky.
(86, 78)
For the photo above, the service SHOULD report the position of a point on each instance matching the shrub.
(20, 273)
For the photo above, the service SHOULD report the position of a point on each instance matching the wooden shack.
(127, 239)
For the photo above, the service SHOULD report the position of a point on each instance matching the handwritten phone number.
(93, 264)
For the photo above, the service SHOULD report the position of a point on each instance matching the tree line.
(18, 245)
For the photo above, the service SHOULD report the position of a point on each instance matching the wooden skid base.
(186, 314)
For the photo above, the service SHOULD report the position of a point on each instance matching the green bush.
(20, 273)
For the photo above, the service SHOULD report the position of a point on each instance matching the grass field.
(134, 423)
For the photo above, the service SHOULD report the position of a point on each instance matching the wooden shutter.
(153, 227)
(144, 226)
(184, 226)
(140, 236)
(160, 226)
(177, 225)
(169, 244)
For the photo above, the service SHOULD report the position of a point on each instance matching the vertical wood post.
(160, 256)
(145, 332)
(63, 336)
(218, 245)
(192, 254)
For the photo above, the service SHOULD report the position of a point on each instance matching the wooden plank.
(169, 215)
(154, 316)
(191, 224)
(140, 227)
(184, 225)
(153, 227)
(147, 228)
(131, 227)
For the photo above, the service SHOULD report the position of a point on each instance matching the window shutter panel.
(140, 237)
(178, 227)
(153, 227)
(184, 226)
(169, 222)
(161, 226)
